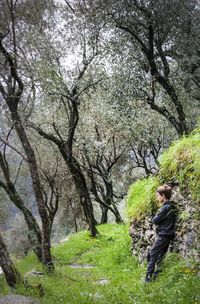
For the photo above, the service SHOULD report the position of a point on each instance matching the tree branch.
(126, 29)
(13, 148)
(13, 70)
(68, 4)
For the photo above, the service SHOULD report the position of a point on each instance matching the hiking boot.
(148, 280)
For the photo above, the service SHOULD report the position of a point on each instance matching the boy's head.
(164, 193)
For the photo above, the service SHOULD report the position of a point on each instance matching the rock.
(17, 299)
(102, 281)
(177, 196)
(64, 240)
(149, 234)
(75, 265)
(96, 295)
(33, 273)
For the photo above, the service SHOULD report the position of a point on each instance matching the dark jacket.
(165, 219)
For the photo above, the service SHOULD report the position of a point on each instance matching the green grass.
(141, 199)
(110, 255)
(182, 162)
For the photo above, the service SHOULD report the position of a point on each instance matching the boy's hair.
(166, 190)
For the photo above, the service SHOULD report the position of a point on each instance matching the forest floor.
(102, 270)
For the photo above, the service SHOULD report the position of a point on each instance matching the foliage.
(149, 41)
(141, 199)
(181, 162)
(110, 255)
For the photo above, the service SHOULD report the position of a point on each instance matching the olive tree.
(146, 35)
(15, 93)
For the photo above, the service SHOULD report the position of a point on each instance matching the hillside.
(104, 270)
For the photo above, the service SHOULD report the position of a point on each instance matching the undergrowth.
(110, 256)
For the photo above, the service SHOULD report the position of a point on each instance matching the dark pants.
(157, 253)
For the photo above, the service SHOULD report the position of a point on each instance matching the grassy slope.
(110, 255)
(180, 163)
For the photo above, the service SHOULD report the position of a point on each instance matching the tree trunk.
(118, 217)
(11, 273)
(104, 215)
(82, 189)
(109, 201)
(34, 235)
(46, 225)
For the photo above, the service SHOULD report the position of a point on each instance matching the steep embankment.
(180, 167)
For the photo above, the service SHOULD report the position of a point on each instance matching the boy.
(165, 220)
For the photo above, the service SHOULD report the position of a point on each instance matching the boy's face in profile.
(161, 198)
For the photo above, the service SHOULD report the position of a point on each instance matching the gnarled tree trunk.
(34, 235)
(11, 274)
(12, 97)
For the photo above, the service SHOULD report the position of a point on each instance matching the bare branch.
(13, 148)
(126, 29)
(68, 4)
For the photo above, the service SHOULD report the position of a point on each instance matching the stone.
(34, 273)
(64, 240)
(102, 281)
(149, 234)
(96, 295)
(75, 265)
(177, 196)
(17, 299)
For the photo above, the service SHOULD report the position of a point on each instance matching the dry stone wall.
(186, 241)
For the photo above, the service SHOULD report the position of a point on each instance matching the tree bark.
(81, 186)
(46, 225)
(34, 235)
(104, 214)
(11, 274)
